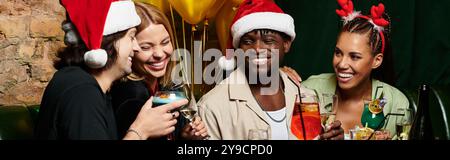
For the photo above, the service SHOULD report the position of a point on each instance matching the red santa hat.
(97, 18)
(260, 14)
(257, 14)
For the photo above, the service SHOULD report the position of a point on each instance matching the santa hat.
(257, 14)
(260, 14)
(97, 18)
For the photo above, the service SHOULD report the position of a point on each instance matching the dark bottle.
(421, 128)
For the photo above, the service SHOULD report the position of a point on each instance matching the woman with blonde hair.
(152, 69)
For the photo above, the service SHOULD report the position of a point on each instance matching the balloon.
(215, 8)
(192, 11)
(223, 21)
(162, 5)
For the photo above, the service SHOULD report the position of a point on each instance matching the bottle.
(421, 128)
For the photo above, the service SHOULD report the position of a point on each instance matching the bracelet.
(136, 132)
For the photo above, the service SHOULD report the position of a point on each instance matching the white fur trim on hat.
(262, 20)
(121, 16)
(226, 64)
(95, 58)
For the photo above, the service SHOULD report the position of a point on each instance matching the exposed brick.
(7, 42)
(8, 53)
(15, 8)
(47, 7)
(27, 49)
(13, 72)
(14, 26)
(10, 75)
(42, 70)
(30, 36)
(45, 27)
(42, 65)
(24, 93)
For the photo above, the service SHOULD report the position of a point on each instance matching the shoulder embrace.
(319, 79)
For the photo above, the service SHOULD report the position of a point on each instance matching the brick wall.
(30, 35)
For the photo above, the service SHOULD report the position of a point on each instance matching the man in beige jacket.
(245, 100)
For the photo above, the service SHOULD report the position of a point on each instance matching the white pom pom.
(95, 58)
(226, 64)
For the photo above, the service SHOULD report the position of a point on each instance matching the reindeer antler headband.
(347, 13)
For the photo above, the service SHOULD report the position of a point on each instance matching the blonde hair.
(149, 14)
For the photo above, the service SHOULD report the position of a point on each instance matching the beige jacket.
(230, 110)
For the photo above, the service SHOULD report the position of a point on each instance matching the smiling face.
(265, 44)
(353, 60)
(156, 49)
(126, 47)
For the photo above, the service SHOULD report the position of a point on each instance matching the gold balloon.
(160, 4)
(236, 2)
(223, 21)
(192, 11)
(215, 8)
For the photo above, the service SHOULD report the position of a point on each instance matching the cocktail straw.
(376, 91)
(300, 108)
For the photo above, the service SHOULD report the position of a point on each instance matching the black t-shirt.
(74, 107)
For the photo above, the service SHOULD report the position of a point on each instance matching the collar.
(239, 89)
(332, 84)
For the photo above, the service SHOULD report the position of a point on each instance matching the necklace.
(273, 119)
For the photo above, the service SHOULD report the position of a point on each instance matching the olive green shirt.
(326, 84)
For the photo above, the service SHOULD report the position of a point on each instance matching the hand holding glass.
(165, 97)
(404, 125)
(328, 116)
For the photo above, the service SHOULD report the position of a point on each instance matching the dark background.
(420, 37)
